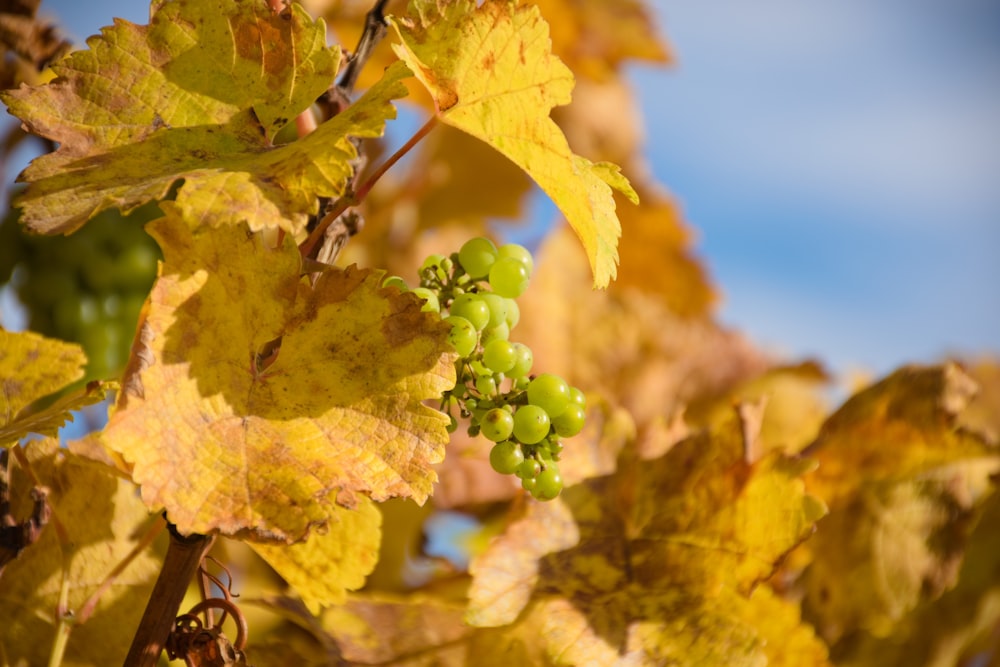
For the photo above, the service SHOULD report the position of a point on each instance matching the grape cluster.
(525, 415)
(87, 287)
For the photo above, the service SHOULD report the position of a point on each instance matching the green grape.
(509, 277)
(518, 252)
(528, 469)
(499, 355)
(521, 383)
(522, 363)
(549, 392)
(396, 281)
(529, 483)
(570, 421)
(431, 304)
(501, 332)
(498, 309)
(496, 425)
(513, 314)
(486, 385)
(432, 262)
(549, 483)
(578, 397)
(463, 335)
(477, 256)
(531, 424)
(472, 308)
(506, 457)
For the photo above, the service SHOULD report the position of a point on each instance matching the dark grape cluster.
(475, 290)
(87, 287)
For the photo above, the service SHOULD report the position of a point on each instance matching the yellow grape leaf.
(492, 75)
(897, 429)
(197, 95)
(656, 257)
(672, 543)
(900, 544)
(594, 37)
(983, 412)
(228, 432)
(905, 484)
(103, 519)
(328, 564)
(957, 628)
(32, 367)
(625, 343)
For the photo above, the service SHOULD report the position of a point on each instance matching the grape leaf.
(668, 549)
(324, 567)
(197, 95)
(229, 433)
(492, 75)
(32, 367)
(594, 37)
(905, 485)
(103, 519)
(624, 343)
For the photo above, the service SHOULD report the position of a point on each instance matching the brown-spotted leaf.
(897, 429)
(492, 75)
(32, 367)
(197, 95)
(263, 400)
(668, 549)
(328, 564)
(103, 520)
(905, 484)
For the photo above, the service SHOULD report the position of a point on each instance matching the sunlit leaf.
(227, 431)
(667, 550)
(492, 75)
(32, 367)
(103, 519)
(324, 567)
(197, 95)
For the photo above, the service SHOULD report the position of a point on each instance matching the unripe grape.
(462, 336)
(531, 424)
(513, 314)
(509, 277)
(578, 397)
(570, 421)
(523, 361)
(499, 355)
(431, 304)
(549, 483)
(506, 457)
(549, 392)
(518, 252)
(486, 385)
(395, 281)
(528, 469)
(496, 425)
(472, 308)
(498, 309)
(477, 256)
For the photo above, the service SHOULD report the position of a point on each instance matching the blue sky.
(839, 159)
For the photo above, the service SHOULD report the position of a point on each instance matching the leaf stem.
(87, 610)
(355, 198)
(66, 619)
(184, 555)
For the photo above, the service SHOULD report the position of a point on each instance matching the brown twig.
(184, 556)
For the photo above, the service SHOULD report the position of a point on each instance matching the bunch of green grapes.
(525, 415)
(87, 287)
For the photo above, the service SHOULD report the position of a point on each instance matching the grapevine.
(525, 415)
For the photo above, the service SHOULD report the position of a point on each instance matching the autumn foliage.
(717, 510)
